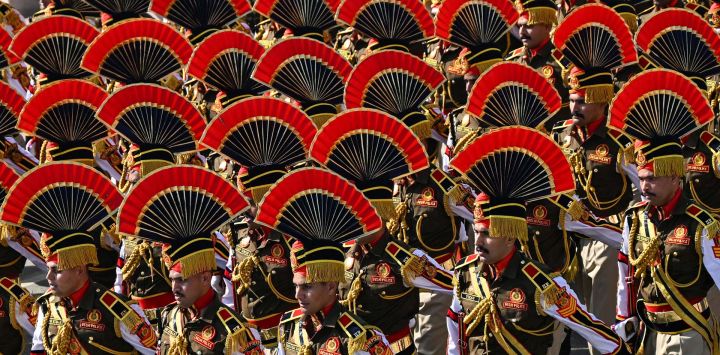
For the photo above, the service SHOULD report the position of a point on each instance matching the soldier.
(669, 259)
(536, 22)
(503, 301)
(18, 317)
(77, 315)
(321, 210)
(604, 173)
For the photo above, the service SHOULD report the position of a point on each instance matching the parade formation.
(360, 176)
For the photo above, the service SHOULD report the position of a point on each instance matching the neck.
(205, 299)
(78, 293)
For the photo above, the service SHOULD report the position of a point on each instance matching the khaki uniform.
(523, 302)
(674, 279)
(261, 286)
(206, 331)
(102, 322)
(340, 332)
(17, 318)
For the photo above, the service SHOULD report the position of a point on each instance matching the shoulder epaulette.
(711, 141)
(349, 244)
(561, 125)
(121, 310)
(704, 218)
(620, 138)
(398, 253)
(466, 261)
(14, 289)
(291, 315)
(231, 322)
(351, 325)
(516, 53)
(539, 278)
(442, 180)
(639, 204)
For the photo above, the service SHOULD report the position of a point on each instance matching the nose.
(175, 286)
(50, 275)
(299, 295)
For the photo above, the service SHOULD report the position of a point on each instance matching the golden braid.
(178, 345)
(62, 339)
(482, 311)
(133, 261)
(242, 273)
(398, 225)
(648, 255)
(353, 293)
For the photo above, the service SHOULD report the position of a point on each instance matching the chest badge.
(331, 346)
(601, 154)
(277, 255)
(92, 321)
(679, 236)
(516, 300)
(539, 217)
(204, 337)
(427, 198)
(383, 274)
(698, 163)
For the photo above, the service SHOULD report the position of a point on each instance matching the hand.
(627, 329)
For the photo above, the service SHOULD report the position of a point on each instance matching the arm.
(572, 313)
(23, 319)
(711, 255)
(37, 347)
(453, 326)
(598, 231)
(118, 286)
(434, 277)
(143, 337)
(624, 304)
(228, 298)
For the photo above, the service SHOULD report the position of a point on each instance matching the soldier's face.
(312, 297)
(532, 36)
(64, 282)
(584, 113)
(658, 190)
(189, 290)
(490, 250)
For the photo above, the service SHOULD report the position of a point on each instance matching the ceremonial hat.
(181, 206)
(626, 10)
(513, 165)
(321, 210)
(225, 61)
(199, 17)
(11, 104)
(481, 27)
(63, 113)
(67, 202)
(307, 71)
(114, 11)
(309, 18)
(266, 136)
(391, 24)
(680, 40)
(370, 149)
(396, 83)
(77, 8)
(537, 11)
(659, 108)
(596, 40)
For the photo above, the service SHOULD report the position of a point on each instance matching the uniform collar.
(543, 48)
(675, 206)
(207, 306)
(597, 128)
(77, 297)
(328, 316)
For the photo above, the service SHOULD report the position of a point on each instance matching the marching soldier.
(197, 322)
(321, 324)
(603, 171)
(503, 301)
(536, 22)
(669, 259)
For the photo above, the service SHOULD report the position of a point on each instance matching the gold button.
(252, 283)
(382, 293)
(360, 306)
(674, 253)
(697, 180)
(522, 262)
(272, 272)
(142, 273)
(90, 339)
(595, 170)
(537, 232)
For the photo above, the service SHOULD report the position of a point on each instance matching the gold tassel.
(42, 157)
(465, 141)
(133, 261)
(716, 164)
(396, 225)
(7, 233)
(325, 271)
(353, 293)
(648, 255)
(411, 269)
(236, 342)
(602, 93)
(713, 229)
(384, 208)
(321, 118)
(198, 262)
(422, 129)
(243, 272)
(307, 349)
(477, 314)
(148, 166)
(77, 256)
(178, 345)
(61, 342)
(576, 210)
(357, 344)
(631, 20)
(669, 166)
(508, 227)
(259, 192)
(572, 270)
(542, 15)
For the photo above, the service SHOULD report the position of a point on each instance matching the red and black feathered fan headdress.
(660, 107)
(307, 18)
(119, 10)
(7, 57)
(513, 94)
(225, 60)
(480, 26)
(394, 24)
(313, 204)
(74, 8)
(137, 51)
(307, 71)
(181, 206)
(681, 40)
(396, 83)
(55, 45)
(514, 165)
(595, 39)
(201, 17)
(11, 104)
(159, 121)
(264, 135)
(8, 177)
(63, 113)
(370, 149)
(61, 197)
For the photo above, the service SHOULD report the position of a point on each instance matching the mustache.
(648, 194)
(578, 115)
(178, 294)
(479, 248)
(524, 37)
